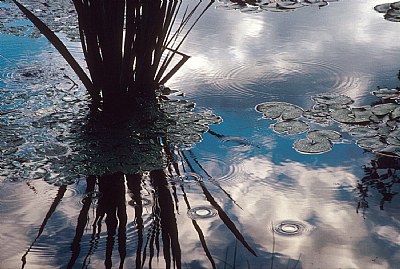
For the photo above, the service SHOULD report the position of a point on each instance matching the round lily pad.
(352, 116)
(382, 8)
(305, 145)
(318, 135)
(384, 109)
(291, 127)
(363, 131)
(274, 110)
(332, 99)
(391, 151)
(395, 113)
(393, 140)
(371, 143)
(386, 93)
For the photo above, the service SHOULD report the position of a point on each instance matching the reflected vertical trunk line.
(212, 179)
(199, 231)
(56, 202)
(221, 213)
(169, 229)
(134, 186)
(82, 221)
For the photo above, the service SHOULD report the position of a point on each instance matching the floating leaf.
(363, 131)
(305, 145)
(318, 135)
(393, 140)
(384, 109)
(332, 99)
(386, 93)
(354, 115)
(290, 127)
(382, 8)
(395, 114)
(372, 143)
(274, 110)
(392, 15)
(391, 151)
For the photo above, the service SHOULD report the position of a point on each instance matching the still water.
(242, 197)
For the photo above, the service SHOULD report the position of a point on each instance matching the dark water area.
(222, 187)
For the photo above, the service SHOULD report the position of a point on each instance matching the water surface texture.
(223, 188)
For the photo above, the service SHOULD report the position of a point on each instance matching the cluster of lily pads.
(47, 132)
(391, 11)
(59, 15)
(376, 127)
(255, 6)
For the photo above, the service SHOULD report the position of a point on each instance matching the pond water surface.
(243, 196)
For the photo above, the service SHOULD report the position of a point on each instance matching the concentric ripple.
(202, 212)
(291, 228)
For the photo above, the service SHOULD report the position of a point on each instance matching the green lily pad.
(371, 143)
(395, 113)
(291, 127)
(386, 93)
(318, 135)
(363, 131)
(392, 15)
(274, 110)
(382, 8)
(353, 116)
(305, 145)
(384, 109)
(391, 151)
(393, 140)
(333, 99)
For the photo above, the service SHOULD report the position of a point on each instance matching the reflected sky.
(300, 53)
(237, 61)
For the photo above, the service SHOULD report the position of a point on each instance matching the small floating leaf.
(393, 140)
(290, 127)
(274, 110)
(395, 114)
(386, 93)
(305, 145)
(332, 99)
(318, 135)
(363, 131)
(384, 109)
(372, 143)
(354, 115)
(392, 151)
(383, 8)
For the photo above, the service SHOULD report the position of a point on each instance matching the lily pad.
(386, 93)
(290, 127)
(353, 116)
(305, 145)
(382, 8)
(395, 114)
(274, 110)
(318, 135)
(393, 140)
(384, 109)
(391, 151)
(363, 131)
(392, 15)
(333, 99)
(372, 143)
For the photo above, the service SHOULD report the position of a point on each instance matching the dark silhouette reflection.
(129, 46)
(381, 175)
